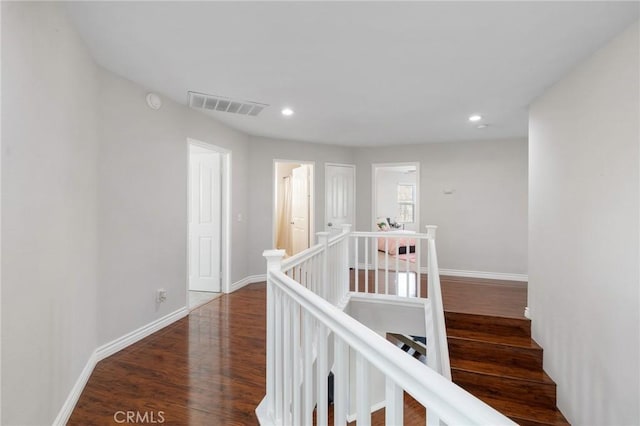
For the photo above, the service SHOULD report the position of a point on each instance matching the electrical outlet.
(161, 295)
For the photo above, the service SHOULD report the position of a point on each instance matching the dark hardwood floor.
(209, 368)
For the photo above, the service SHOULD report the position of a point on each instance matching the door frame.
(374, 167)
(225, 209)
(312, 203)
(326, 205)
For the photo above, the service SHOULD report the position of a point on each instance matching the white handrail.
(301, 257)
(450, 403)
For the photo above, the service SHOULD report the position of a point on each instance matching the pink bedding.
(394, 243)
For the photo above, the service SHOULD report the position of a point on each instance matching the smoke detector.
(154, 101)
(224, 104)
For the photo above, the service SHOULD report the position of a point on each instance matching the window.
(406, 203)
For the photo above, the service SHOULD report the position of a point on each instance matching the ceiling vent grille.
(222, 104)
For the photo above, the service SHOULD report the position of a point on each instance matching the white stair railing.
(308, 335)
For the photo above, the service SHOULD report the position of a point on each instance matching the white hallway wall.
(142, 213)
(49, 206)
(482, 226)
(583, 235)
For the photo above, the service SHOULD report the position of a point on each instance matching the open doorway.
(396, 188)
(208, 222)
(293, 203)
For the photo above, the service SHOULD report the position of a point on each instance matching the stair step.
(501, 370)
(541, 394)
(488, 337)
(525, 414)
(496, 326)
(502, 350)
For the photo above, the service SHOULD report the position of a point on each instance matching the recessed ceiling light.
(287, 112)
(482, 126)
(475, 117)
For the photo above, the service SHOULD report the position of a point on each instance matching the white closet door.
(205, 221)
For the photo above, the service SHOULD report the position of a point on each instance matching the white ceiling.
(356, 73)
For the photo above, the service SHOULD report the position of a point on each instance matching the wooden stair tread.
(482, 336)
(525, 413)
(501, 370)
(492, 319)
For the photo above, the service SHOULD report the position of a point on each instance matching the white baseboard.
(120, 343)
(246, 281)
(488, 275)
(67, 408)
(109, 349)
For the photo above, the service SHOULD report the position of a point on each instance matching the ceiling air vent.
(220, 103)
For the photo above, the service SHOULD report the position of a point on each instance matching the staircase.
(496, 360)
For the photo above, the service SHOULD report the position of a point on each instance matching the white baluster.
(375, 263)
(307, 374)
(397, 268)
(407, 253)
(394, 403)
(340, 381)
(418, 279)
(278, 375)
(296, 405)
(386, 265)
(363, 401)
(322, 371)
(366, 264)
(286, 364)
(355, 262)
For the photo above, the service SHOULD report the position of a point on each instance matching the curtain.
(284, 222)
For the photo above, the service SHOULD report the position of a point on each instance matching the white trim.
(225, 235)
(120, 343)
(247, 280)
(107, 350)
(481, 274)
(70, 403)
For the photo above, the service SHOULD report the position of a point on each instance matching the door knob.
(329, 224)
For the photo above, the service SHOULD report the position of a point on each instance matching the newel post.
(323, 238)
(431, 231)
(274, 263)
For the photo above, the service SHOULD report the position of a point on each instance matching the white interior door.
(300, 209)
(205, 202)
(339, 196)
